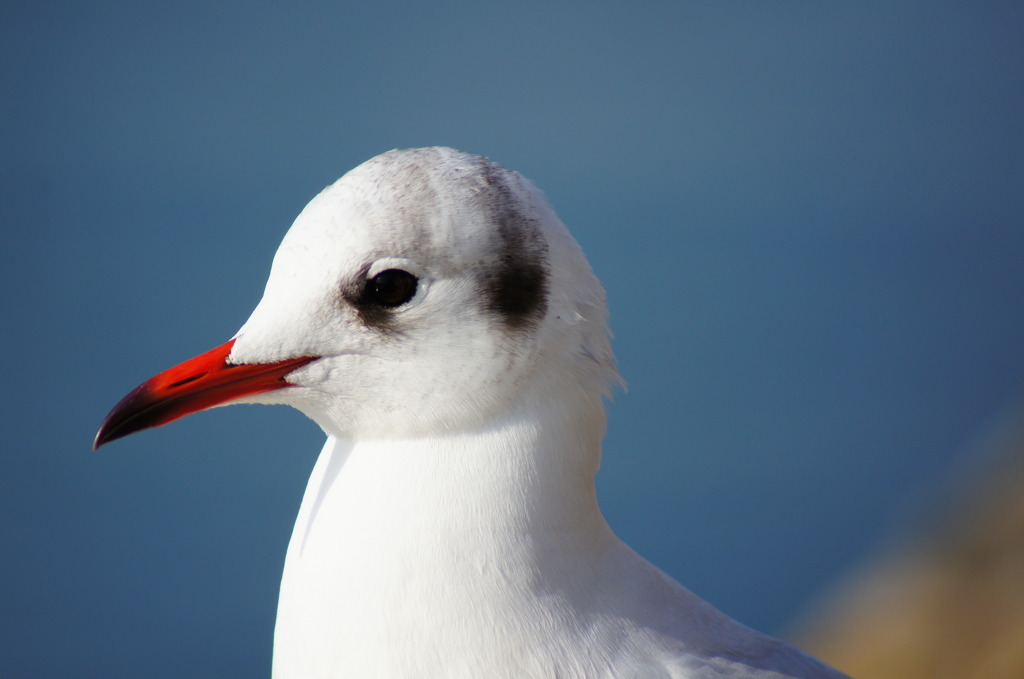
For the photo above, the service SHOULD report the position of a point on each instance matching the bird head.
(426, 290)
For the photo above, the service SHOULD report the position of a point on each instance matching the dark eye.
(391, 288)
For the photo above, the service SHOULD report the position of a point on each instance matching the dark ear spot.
(516, 289)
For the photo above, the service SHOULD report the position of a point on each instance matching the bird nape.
(434, 316)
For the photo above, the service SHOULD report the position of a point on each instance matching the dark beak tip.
(103, 437)
(113, 425)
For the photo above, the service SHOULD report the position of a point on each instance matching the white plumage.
(450, 527)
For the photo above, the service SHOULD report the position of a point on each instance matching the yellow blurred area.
(950, 603)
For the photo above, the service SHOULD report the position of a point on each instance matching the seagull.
(431, 313)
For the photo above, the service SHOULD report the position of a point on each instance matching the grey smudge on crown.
(513, 286)
(516, 288)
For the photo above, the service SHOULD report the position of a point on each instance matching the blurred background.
(808, 217)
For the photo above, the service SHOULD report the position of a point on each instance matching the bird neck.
(458, 529)
(530, 473)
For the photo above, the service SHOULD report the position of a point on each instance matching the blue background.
(808, 217)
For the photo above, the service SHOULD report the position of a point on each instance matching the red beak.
(197, 384)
